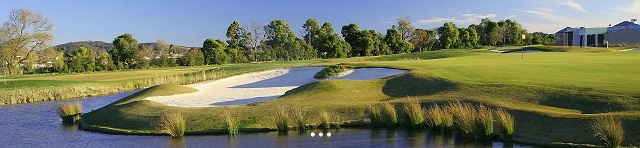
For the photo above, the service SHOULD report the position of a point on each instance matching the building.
(626, 32)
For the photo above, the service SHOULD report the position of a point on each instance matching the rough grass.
(282, 118)
(464, 117)
(485, 121)
(543, 88)
(299, 117)
(435, 117)
(389, 114)
(608, 130)
(505, 122)
(413, 110)
(69, 108)
(325, 119)
(231, 123)
(373, 112)
(173, 124)
(330, 71)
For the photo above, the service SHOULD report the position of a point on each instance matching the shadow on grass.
(411, 85)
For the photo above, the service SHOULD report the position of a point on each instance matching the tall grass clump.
(70, 111)
(414, 111)
(485, 121)
(173, 124)
(609, 130)
(389, 114)
(435, 116)
(324, 119)
(463, 116)
(299, 117)
(338, 121)
(505, 122)
(374, 115)
(231, 123)
(282, 119)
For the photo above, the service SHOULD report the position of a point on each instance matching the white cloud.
(576, 6)
(632, 8)
(462, 19)
(511, 16)
(549, 15)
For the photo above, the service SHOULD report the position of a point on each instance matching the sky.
(190, 22)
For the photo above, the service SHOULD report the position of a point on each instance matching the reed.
(413, 110)
(324, 119)
(282, 118)
(173, 124)
(69, 111)
(231, 123)
(299, 117)
(435, 116)
(506, 122)
(389, 114)
(338, 121)
(609, 130)
(374, 115)
(463, 116)
(485, 121)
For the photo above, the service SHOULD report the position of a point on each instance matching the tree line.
(275, 41)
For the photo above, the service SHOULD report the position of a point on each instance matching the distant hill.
(94, 45)
(104, 46)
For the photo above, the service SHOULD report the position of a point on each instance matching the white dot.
(320, 134)
(313, 134)
(329, 134)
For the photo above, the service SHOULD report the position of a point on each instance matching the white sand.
(260, 86)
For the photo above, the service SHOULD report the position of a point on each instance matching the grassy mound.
(552, 96)
(331, 71)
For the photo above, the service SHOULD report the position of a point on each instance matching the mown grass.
(551, 88)
(609, 130)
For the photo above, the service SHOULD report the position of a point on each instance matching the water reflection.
(232, 141)
(177, 143)
(415, 138)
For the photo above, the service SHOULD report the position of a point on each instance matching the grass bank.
(552, 96)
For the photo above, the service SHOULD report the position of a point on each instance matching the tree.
(330, 44)
(396, 43)
(464, 39)
(193, 58)
(125, 51)
(405, 28)
(213, 51)
(25, 32)
(311, 30)
(473, 34)
(283, 41)
(448, 35)
(80, 60)
(239, 40)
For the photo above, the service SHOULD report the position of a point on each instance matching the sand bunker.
(260, 86)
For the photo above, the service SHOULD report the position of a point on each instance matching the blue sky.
(190, 22)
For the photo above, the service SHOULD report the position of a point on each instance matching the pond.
(37, 125)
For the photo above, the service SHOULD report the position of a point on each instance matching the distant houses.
(626, 32)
